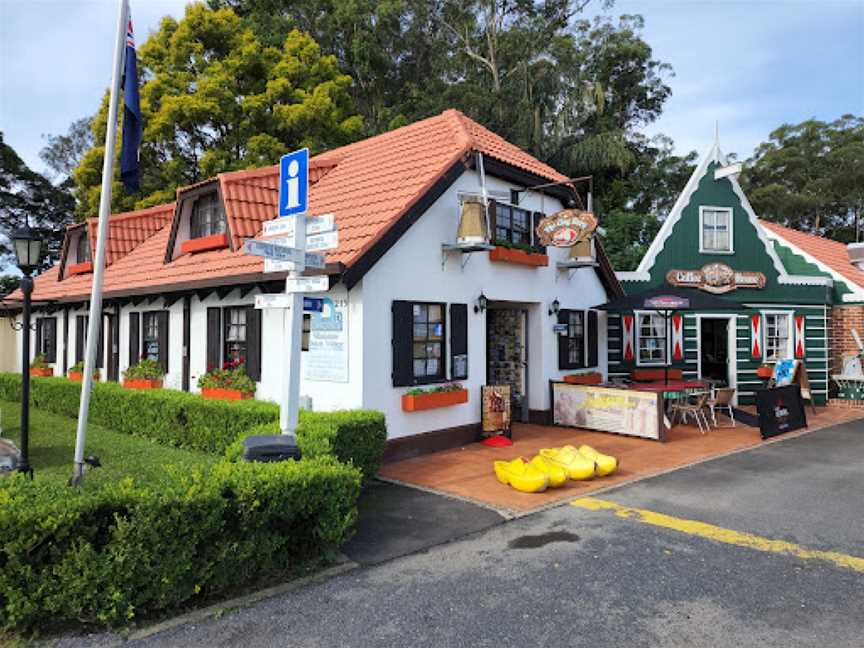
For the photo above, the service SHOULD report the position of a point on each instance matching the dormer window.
(207, 218)
(82, 249)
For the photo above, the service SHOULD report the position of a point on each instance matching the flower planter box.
(205, 243)
(142, 383)
(44, 372)
(519, 257)
(78, 376)
(584, 379)
(79, 268)
(765, 372)
(432, 400)
(220, 393)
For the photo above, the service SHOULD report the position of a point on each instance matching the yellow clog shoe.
(574, 463)
(556, 474)
(606, 464)
(521, 475)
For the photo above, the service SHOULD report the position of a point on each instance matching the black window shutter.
(491, 211)
(80, 328)
(100, 349)
(458, 337)
(162, 321)
(214, 338)
(50, 333)
(535, 219)
(253, 343)
(134, 338)
(563, 341)
(402, 341)
(592, 338)
(40, 325)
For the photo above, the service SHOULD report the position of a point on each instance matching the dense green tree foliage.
(26, 197)
(810, 176)
(215, 98)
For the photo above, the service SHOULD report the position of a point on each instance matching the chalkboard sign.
(780, 410)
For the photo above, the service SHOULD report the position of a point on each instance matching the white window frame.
(790, 342)
(637, 335)
(702, 248)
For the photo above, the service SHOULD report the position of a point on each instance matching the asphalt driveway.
(762, 548)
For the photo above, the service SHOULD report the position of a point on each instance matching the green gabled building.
(713, 241)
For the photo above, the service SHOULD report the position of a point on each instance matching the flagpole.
(95, 319)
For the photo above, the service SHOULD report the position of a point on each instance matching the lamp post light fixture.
(481, 304)
(28, 250)
(555, 307)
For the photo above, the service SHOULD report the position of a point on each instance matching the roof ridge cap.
(462, 134)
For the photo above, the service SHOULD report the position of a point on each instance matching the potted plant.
(765, 371)
(418, 399)
(40, 367)
(229, 382)
(147, 374)
(593, 378)
(506, 252)
(77, 372)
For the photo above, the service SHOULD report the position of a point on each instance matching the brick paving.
(467, 471)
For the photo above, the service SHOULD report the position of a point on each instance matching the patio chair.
(721, 399)
(692, 407)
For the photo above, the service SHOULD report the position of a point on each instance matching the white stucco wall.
(411, 270)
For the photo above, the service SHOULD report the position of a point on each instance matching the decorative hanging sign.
(716, 278)
(566, 228)
(666, 303)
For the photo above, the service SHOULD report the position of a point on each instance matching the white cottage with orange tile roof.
(406, 308)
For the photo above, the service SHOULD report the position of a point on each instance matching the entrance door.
(715, 359)
(507, 355)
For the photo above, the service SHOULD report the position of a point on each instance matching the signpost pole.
(290, 405)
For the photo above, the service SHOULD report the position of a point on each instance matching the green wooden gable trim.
(797, 264)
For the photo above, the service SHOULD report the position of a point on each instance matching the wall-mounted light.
(482, 301)
(555, 307)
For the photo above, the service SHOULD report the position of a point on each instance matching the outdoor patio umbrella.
(666, 299)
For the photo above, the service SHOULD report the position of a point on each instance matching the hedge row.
(188, 421)
(111, 555)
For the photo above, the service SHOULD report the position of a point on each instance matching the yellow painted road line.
(719, 534)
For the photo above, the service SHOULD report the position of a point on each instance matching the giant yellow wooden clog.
(556, 474)
(606, 464)
(521, 475)
(578, 467)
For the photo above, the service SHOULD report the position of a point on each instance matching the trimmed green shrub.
(170, 417)
(117, 553)
(353, 436)
(146, 369)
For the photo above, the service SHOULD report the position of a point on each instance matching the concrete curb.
(197, 616)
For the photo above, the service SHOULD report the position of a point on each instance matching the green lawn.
(52, 447)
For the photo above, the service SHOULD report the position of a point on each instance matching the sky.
(749, 65)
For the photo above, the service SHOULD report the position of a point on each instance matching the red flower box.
(220, 393)
(519, 257)
(44, 372)
(78, 376)
(584, 379)
(80, 268)
(432, 400)
(142, 383)
(205, 243)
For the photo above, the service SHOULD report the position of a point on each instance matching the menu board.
(780, 410)
(495, 404)
(608, 409)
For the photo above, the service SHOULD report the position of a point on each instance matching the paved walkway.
(467, 471)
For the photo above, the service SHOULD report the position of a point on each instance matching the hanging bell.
(583, 250)
(472, 224)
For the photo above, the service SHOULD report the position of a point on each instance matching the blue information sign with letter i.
(294, 182)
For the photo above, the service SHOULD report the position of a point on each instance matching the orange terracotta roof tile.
(832, 253)
(128, 230)
(367, 185)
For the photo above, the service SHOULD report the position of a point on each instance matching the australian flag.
(132, 124)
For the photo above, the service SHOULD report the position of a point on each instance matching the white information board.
(327, 358)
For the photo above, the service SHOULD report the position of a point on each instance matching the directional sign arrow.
(307, 284)
(276, 300)
(274, 251)
(325, 241)
(314, 225)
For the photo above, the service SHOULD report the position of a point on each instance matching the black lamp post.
(28, 250)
